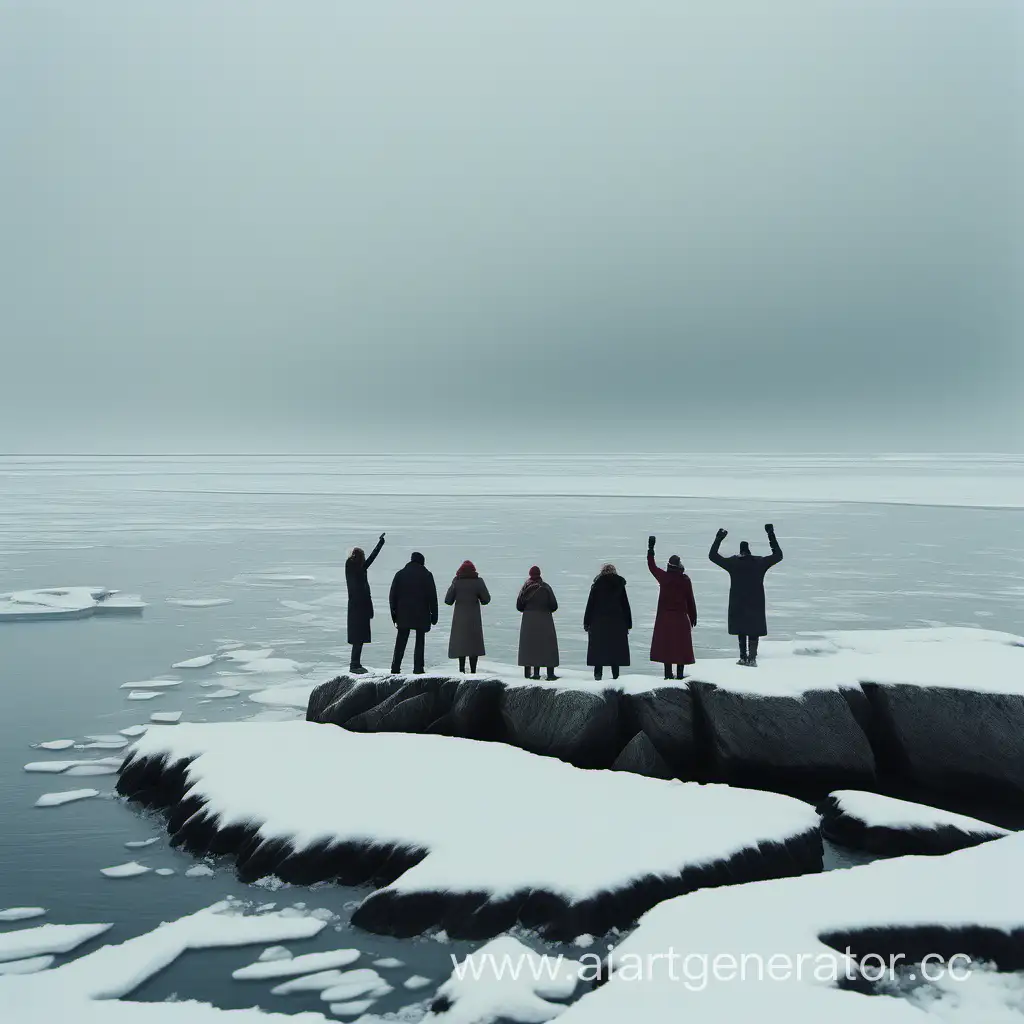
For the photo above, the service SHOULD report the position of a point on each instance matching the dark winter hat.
(744, 548)
(534, 572)
(418, 558)
(675, 563)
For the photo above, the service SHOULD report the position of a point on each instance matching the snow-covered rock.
(65, 603)
(883, 825)
(516, 839)
(942, 708)
(778, 950)
(506, 981)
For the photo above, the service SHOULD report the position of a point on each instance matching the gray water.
(179, 528)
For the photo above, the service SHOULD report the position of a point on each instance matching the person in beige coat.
(467, 593)
(538, 642)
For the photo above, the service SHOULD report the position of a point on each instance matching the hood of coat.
(610, 580)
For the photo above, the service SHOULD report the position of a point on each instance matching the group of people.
(607, 619)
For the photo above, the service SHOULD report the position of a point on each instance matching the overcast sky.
(369, 225)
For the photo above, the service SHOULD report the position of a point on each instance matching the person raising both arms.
(746, 591)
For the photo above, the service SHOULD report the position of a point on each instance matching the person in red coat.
(672, 643)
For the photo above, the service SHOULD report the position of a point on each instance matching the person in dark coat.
(467, 593)
(608, 620)
(538, 642)
(360, 603)
(672, 642)
(413, 609)
(746, 591)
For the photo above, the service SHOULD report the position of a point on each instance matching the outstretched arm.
(776, 556)
(715, 554)
(375, 552)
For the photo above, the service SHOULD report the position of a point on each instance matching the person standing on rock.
(538, 642)
(467, 593)
(360, 603)
(672, 642)
(413, 609)
(746, 591)
(607, 621)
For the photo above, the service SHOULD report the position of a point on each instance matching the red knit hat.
(534, 572)
(466, 569)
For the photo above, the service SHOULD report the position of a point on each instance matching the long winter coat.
(467, 594)
(414, 598)
(538, 642)
(672, 643)
(360, 604)
(746, 587)
(608, 620)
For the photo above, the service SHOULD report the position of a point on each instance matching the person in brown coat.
(538, 642)
(467, 593)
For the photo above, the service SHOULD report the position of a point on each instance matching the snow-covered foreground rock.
(776, 951)
(469, 837)
(65, 603)
(880, 824)
(88, 990)
(937, 709)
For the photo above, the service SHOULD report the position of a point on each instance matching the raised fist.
(382, 538)
(722, 534)
(769, 529)
(650, 543)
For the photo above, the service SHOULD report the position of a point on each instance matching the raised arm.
(776, 556)
(375, 552)
(658, 574)
(714, 554)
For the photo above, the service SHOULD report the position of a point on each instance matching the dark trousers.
(357, 654)
(417, 652)
(748, 647)
(599, 671)
(472, 663)
(668, 671)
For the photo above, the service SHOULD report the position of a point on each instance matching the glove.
(722, 534)
(382, 538)
(650, 543)
(769, 529)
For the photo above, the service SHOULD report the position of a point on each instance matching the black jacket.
(414, 598)
(360, 604)
(608, 619)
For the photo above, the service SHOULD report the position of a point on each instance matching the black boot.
(615, 671)
(527, 671)
(472, 664)
(536, 671)
(668, 671)
(462, 665)
(743, 652)
(599, 671)
(752, 658)
(356, 664)
(679, 671)
(551, 677)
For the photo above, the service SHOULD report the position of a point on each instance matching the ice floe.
(21, 913)
(415, 982)
(130, 870)
(199, 871)
(506, 981)
(134, 730)
(199, 602)
(54, 744)
(33, 965)
(138, 844)
(272, 952)
(151, 684)
(93, 766)
(519, 836)
(200, 662)
(774, 951)
(65, 603)
(363, 982)
(222, 694)
(143, 695)
(67, 796)
(45, 939)
(166, 717)
(285, 966)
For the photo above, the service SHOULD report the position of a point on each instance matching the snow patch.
(284, 966)
(31, 966)
(66, 796)
(45, 939)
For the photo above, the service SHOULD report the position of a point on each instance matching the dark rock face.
(948, 739)
(666, 716)
(641, 757)
(841, 827)
(573, 725)
(785, 740)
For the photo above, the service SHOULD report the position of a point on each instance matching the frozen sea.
(870, 542)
